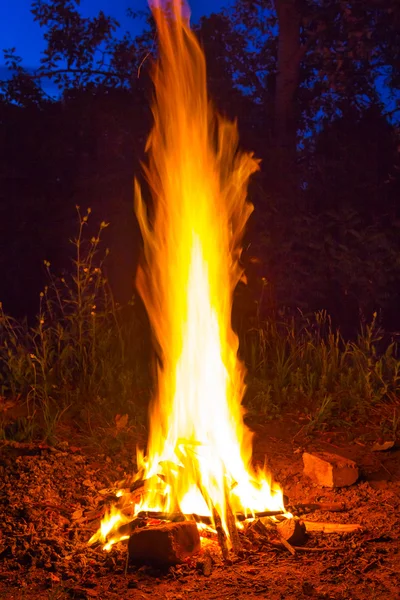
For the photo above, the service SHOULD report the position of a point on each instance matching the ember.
(198, 459)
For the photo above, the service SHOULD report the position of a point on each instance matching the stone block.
(330, 470)
(167, 544)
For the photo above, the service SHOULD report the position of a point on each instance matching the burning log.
(330, 470)
(167, 544)
(231, 524)
(176, 517)
(222, 541)
(233, 532)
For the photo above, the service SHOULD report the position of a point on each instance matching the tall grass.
(85, 354)
(304, 363)
(83, 351)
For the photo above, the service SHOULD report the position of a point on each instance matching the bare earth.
(49, 507)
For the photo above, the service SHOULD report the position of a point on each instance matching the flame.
(199, 451)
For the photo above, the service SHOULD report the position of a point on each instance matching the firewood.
(292, 531)
(288, 546)
(330, 470)
(231, 525)
(332, 527)
(168, 544)
(129, 528)
(314, 506)
(174, 517)
(259, 515)
(222, 541)
(207, 520)
(277, 544)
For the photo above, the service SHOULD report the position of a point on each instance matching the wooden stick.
(163, 516)
(231, 525)
(287, 545)
(323, 506)
(332, 527)
(305, 549)
(221, 534)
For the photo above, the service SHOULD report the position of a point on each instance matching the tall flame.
(199, 451)
(192, 246)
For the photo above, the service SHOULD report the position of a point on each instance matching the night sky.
(17, 28)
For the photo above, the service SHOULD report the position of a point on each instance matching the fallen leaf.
(121, 421)
(382, 447)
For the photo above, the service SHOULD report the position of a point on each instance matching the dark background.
(315, 88)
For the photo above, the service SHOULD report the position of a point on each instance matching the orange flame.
(199, 446)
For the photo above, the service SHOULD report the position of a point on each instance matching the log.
(222, 541)
(332, 527)
(231, 525)
(314, 506)
(330, 470)
(129, 528)
(207, 520)
(167, 544)
(292, 531)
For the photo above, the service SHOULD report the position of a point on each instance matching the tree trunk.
(287, 80)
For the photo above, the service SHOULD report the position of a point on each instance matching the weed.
(84, 352)
(304, 363)
(84, 359)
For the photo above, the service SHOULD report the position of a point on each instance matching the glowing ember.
(199, 451)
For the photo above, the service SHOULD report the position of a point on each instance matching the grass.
(85, 360)
(304, 363)
(84, 354)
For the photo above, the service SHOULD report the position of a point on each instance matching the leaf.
(77, 514)
(382, 447)
(121, 421)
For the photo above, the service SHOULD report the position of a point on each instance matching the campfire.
(198, 463)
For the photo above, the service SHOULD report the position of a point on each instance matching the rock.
(330, 470)
(167, 544)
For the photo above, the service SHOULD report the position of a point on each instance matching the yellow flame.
(199, 446)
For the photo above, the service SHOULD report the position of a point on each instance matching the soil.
(49, 500)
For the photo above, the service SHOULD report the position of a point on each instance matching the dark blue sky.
(17, 28)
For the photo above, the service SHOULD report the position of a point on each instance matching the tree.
(306, 59)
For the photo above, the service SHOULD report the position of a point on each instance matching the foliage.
(81, 53)
(342, 48)
(303, 362)
(333, 246)
(83, 351)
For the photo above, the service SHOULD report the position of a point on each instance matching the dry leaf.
(121, 421)
(382, 447)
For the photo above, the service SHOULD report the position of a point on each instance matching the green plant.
(304, 363)
(84, 350)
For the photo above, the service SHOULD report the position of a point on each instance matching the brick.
(167, 544)
(330, 470)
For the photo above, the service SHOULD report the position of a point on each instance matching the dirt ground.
(49, 498)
